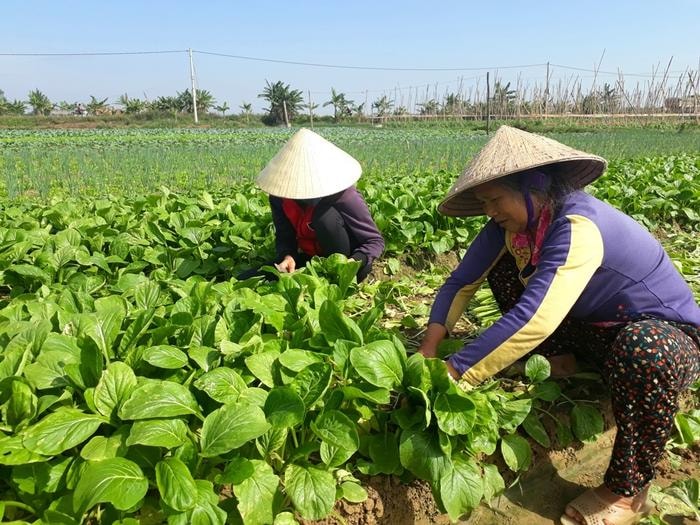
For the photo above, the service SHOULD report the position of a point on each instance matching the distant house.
(682, 104)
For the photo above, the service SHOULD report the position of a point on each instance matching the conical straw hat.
(511, 151)
(308, 167)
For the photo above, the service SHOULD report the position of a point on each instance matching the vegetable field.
(140, 382)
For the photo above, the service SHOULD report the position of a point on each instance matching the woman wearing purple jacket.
(316, 208)
(573, 277)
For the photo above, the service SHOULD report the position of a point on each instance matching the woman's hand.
(431, 340)
(288, 264)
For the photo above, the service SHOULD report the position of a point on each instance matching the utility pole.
(286, 117)
(194, 90)
(546, 91)
(488, 104)
(311, 111)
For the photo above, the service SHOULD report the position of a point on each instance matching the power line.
(335, 66)
(372, 68)
(92, 53)
(645, 75)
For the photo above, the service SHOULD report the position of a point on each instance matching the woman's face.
(504, 205)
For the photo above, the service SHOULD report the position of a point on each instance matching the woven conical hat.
(308, 167)
(510, 151)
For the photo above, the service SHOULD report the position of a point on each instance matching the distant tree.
(280, 95)
(64, 105)
(590, 103)
(429, 107)
(223, 108)
(96, 106)
(358, 110)
(205, 100)
(311, 107)
(383, 105)
(609, 98)
(453, 104)
(40, 103)
(246, 110)
(341, 105)
(502, 94)
(166, 104)
(503, 98)
(16, 107)
(132, 105)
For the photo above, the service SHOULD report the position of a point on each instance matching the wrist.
(452, 372)
(359, 256)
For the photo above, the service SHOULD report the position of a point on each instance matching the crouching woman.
(573, 277)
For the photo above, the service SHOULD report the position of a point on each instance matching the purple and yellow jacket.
(596, 265)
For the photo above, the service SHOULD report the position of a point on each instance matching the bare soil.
(538, 497)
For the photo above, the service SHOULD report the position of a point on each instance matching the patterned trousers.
(646, 364)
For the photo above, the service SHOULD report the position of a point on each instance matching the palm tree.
(3, 102)
(132, 105)
(429, 107)
(40, 103)
(341, 106)
(169, 104)
(453, 104)
(311, 107)
(64, 105)
(281, 96)
(246, 110)
(95, 106)
(16, 107)
(205, 100)
(383, 105)
(503, 97)
(223, 108)
(610, 98)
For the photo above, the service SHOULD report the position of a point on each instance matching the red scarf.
(301, 221)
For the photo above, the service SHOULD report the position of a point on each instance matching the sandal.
(595, 509)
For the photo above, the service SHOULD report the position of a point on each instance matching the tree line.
(284, 103)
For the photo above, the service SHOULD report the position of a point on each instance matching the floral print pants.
(646, 363)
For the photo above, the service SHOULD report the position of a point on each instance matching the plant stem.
(19, 505)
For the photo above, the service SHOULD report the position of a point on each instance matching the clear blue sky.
(636, 36)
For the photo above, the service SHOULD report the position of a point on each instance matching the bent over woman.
(316, 208)
(573, 277)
